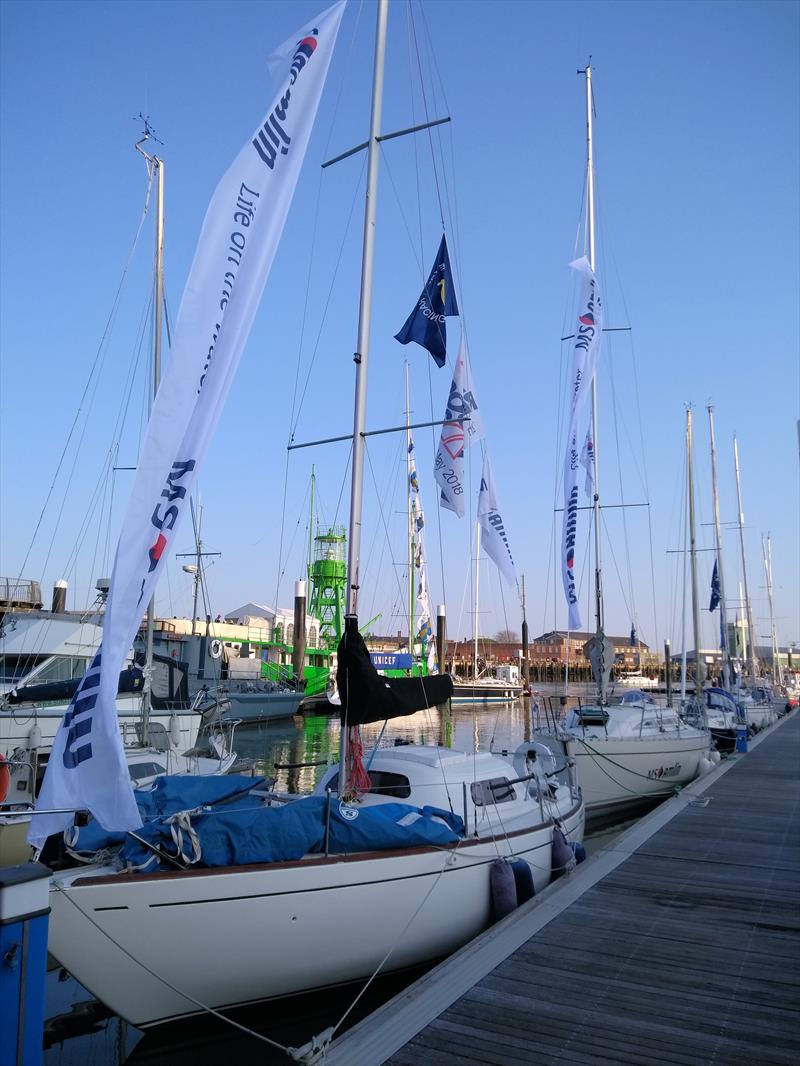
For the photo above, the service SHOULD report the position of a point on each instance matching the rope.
(186, 995)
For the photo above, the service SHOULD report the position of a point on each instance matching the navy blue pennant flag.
(714, 589)
(426, 323)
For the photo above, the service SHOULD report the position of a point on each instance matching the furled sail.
(366, 696)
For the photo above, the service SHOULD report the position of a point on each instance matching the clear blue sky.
(697, 160)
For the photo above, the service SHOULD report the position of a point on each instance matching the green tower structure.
(328, 578)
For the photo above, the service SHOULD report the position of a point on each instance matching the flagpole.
(361, 356)
(598, 571)
(726, 671)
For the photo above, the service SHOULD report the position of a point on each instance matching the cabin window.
(494, 790)
(13, 667)
(64, 668)
(383, 783)
(143, 770)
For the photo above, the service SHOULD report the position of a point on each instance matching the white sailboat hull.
(287, 927)
(17, 723)
(615, 773)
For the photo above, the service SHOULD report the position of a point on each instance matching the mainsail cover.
(586, 350)
(235, 251)
(366, 696)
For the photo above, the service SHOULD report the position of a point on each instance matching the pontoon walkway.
(678, 944)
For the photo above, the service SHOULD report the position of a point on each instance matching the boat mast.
(477, 596)
(364, 317)
(726, 671)
(311, 531)
(748, 609)
(590, 225)
(777, 673)
(154, 165)
(361, 355)
(699, 666)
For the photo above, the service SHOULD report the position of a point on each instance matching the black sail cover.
(131, 679)
(367, 696)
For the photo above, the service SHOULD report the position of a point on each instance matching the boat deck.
(677, 944)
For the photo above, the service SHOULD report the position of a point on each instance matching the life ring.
(215, 649)
(5, 778)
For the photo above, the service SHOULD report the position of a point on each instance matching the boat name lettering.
(272, 136)
(664, 771)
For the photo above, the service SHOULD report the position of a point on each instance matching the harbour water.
(79, 1031)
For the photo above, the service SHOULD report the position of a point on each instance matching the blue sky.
(697, 162)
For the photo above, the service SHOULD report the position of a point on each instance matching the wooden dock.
(678, 944)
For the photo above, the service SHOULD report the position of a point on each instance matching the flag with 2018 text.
(456, 436)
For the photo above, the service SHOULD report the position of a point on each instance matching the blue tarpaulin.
(238, 836)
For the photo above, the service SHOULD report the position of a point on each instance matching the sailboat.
(633, 751)
(389, 863)
(756, 696)
(709, 707)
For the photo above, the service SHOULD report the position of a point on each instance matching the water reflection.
(296, 751)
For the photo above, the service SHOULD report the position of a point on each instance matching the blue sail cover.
(169, 795)
(239, 834)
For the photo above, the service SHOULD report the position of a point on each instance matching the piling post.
(24, 907)
(299, 638)
(441, 637)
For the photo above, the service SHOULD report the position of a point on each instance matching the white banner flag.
(456, 436)
(494, 537)
(237, 244)
(584, 361)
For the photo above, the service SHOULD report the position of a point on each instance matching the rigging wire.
(97, 361)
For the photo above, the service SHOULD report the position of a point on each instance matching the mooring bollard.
(24, 907)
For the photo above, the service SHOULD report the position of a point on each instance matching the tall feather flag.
(585, 353)
(494, 536)
(456, 436)
(427, 322)
(237, 244)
